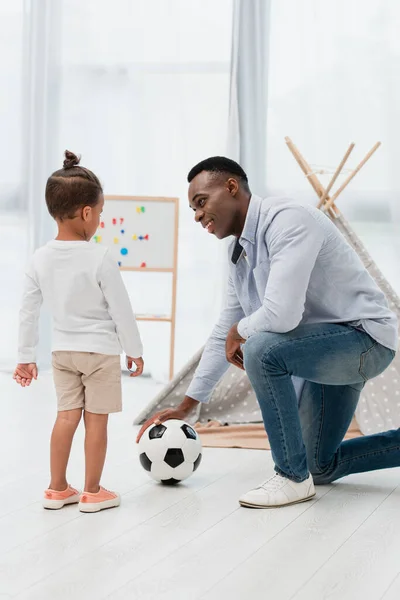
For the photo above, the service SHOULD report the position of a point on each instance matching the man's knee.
(253, 351)
(322, 477)
(258, 347)
(322, 474)
(322, 471)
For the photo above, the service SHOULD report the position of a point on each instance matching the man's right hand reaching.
(181, 412)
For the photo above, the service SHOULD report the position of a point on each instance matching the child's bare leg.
(95, 449)
(60, 446)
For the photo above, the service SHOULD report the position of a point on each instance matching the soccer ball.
(170, 452)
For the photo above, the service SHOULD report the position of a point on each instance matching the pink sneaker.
(95, 502)
(53, 499)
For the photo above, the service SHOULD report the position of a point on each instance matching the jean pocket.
(374, 361)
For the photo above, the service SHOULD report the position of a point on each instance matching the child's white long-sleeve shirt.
(83, 289)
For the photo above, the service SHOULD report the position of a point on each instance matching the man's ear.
(232, 186)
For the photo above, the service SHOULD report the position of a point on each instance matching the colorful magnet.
(146, 237)
(98, 238)
(102, 224)
(95, 238)
(134, 237)
(124, 251)
(119, 263)
(143, 265)
(121, 220)
(138, 210)
(122, 231)
(143, 209)
(114, 221)
(140, 237)
(115, 240)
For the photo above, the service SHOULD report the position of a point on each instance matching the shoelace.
(273, 483)
(103, 489)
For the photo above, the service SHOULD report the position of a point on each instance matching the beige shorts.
(88, 380)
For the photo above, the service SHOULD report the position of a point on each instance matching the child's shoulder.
(97, 251)
(39, 254)
(55, 248)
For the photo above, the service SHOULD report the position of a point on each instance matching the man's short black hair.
(219, 165)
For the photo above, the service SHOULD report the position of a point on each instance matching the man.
(300, 304)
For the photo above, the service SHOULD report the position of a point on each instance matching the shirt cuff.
(25, 358)
(134, 351)
(243, 328)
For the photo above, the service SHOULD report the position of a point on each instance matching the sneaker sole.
(92, 507)
(57, 504)
(250, 505)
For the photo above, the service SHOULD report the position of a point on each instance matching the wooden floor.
(186, 542)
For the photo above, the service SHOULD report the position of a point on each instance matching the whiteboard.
(140, 232)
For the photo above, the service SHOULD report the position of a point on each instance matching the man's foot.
(54, 499)
(278, 491)
(90, 503)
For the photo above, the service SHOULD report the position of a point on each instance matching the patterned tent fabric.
(233, 400)
(379, 407)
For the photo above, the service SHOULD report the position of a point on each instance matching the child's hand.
(24, 373)
(139, 365)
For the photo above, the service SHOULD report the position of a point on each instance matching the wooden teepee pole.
(312, 178)
(335, 176)
(305, 167)
(350, 177)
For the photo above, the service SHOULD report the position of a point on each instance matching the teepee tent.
(233, 400)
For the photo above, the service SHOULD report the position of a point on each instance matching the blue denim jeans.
(307, 436)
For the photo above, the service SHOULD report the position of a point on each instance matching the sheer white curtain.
(11, 38)
(13, 222)
(334, 78)
(248, 104)
(41, 88)
(141, 90)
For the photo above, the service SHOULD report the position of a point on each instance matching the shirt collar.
(249, 229)
(251, 222)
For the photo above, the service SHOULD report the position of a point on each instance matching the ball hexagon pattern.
(170, 452)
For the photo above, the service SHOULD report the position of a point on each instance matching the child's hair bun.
(71, 160)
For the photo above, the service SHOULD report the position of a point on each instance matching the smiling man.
(299, 304)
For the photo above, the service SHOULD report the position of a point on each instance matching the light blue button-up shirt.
(295, 268)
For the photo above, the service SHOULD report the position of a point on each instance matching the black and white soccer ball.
(170, 452)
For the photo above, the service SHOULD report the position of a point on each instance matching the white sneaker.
(279, 491)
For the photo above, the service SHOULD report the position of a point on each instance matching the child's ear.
(87, 213)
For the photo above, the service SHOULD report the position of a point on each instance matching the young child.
(92, 322)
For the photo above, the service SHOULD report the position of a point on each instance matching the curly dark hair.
(219, 165)
(70, 188)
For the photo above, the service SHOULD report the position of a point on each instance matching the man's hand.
(139, 365)
(233, 351)
(24, 373)
(180, 412)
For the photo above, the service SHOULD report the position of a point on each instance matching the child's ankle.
(92, 489)
(58, 486)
